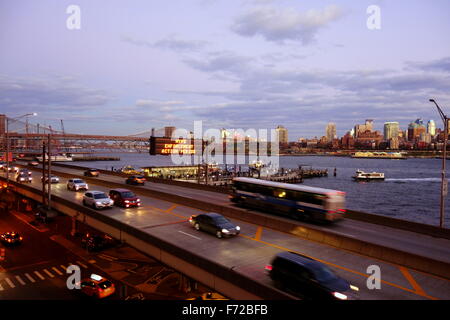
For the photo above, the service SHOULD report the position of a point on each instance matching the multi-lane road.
(254, 248)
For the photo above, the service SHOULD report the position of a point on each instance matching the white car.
(97, 200)
(76, 184)
(53, 179)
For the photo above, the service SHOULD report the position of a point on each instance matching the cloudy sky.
(138, 64)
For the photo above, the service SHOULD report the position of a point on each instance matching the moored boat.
(367, 176)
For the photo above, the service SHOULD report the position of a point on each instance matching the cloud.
(282, 24)
(171, 42)
(442, 65)
(60, 94)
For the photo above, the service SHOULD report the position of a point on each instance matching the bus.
(297, 202)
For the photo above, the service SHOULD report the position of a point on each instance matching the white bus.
(298, 202)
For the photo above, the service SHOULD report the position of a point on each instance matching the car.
(308, 278)
(33, 163)
(2, 164)
(76, 184)
(124, 198)
(24, 177)
(214, 223)
(97, 200)
(209, 296)
(135, 180)
(24, 171)
(91, 173)
(97, 242)
(13, 169)
(11, 238)
(53, 179)
(97, 287)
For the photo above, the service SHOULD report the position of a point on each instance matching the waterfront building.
(362, 128)
(168, 131)
(415, 129)
(391, 130)
(282, 134)
(431, 127)
(394, 143)
(331, 131)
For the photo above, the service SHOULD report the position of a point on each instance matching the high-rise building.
(431, 127)
(369, 125)
(390, 130)
(168, 131)
(282, 134)
(331, 131)
(415, 129)
(362, 128)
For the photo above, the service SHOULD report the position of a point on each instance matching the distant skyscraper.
(282, 134)
(390, 130)
(415, 129)
(431, 127)
(369, 125)
(331, 131)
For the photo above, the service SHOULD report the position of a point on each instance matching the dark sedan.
(11, 238)
(214, 223)
(91, 173)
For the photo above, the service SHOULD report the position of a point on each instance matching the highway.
(255, 247)
(420, 244)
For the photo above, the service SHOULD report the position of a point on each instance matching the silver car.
(53, 179)
(97, 200)
(76, 184)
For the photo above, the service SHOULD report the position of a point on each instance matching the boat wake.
(414, 179)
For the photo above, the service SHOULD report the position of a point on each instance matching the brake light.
(342, 210)
(190, 218)
(268, 267)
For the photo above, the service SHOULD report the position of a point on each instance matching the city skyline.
(258, 64)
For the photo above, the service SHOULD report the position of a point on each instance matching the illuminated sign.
(167, 146)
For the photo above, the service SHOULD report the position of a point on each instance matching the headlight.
(127, 201)
(225, 231)
(238, 228)
(98, 202)
(340, 295)
(355, 288)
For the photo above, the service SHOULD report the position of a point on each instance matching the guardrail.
(226, 280)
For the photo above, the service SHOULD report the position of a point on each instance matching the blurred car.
(91, 173)
(308, 278)
(24, 171)
(24, 177)
(2, 164)
(214, 223)
(209, 296)
(97, 242)
(53, 179)
(124, 198)
(13, 169)
(33, 163)
(97, 287)
(11, 238)
(76, 184)
(97, 200)
(135, 180)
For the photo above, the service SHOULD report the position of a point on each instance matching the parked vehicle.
(135, 180)
(97, 242)
(124, 198)
(97, 200)
(76, 184)
(308, 278)
(214, 223)
(92, 173)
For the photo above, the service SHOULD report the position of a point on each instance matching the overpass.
(413, 265)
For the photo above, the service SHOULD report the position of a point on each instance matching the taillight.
(190, 218)
(268, 267)
(342, 210)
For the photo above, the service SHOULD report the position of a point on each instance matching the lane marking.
(411, 280)
(172, 208)
(29, 277)
(20, 280)
(1, 288)
(49, 273)
(11, 284)
(340, 267)
(39, 275)
(82, 264)
(64, 268)
(190, 235)
(258, 233)
(57, 271)
(107, 256)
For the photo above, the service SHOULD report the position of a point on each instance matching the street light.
(7, 140)
(444, 182)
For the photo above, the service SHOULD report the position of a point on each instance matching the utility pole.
(43, 172)
(49, 171)
(444, 182)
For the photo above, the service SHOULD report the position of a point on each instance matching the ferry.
(379, 155)
(361, 175)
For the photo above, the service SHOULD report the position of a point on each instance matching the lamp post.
(444, 182)
(7, 140)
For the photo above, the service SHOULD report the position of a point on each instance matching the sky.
(141, 64)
